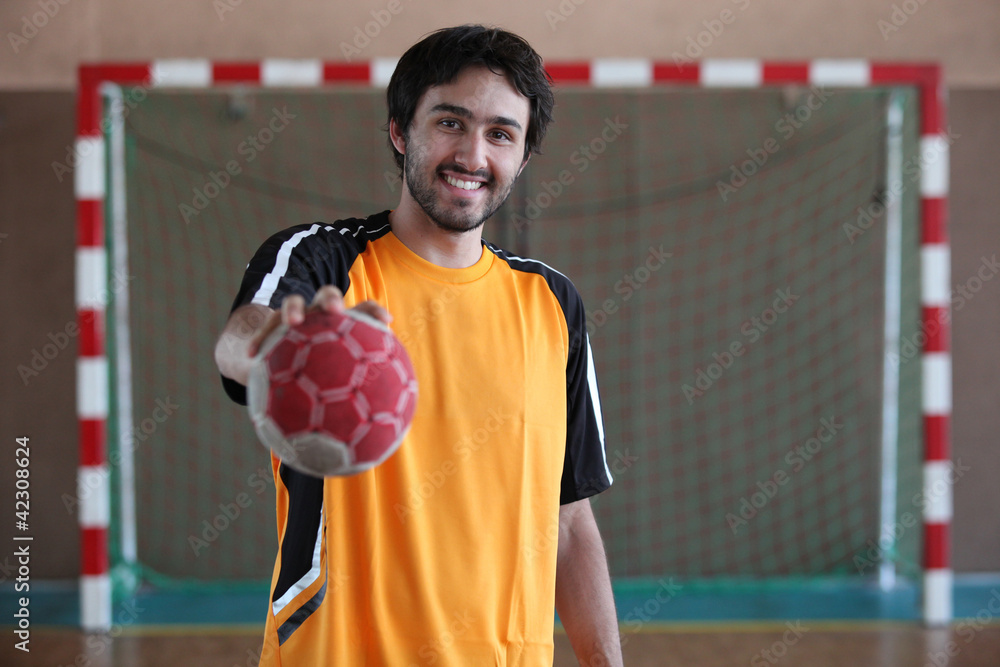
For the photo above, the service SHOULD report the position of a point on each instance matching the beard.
(460, 215)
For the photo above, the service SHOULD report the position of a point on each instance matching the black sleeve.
(297, 260)
(585, 469)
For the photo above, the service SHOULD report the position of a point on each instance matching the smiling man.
(457, 548)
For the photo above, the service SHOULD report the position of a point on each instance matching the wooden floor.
(809, 645)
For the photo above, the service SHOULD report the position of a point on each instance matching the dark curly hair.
(440, 57)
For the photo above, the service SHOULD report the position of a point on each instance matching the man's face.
(465, 148)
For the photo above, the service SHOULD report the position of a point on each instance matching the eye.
(499, 135)
(450, 123)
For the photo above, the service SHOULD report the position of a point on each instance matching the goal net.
(733, 249)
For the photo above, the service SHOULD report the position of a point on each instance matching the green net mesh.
(737, 331)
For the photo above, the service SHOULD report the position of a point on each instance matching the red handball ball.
(334, 395)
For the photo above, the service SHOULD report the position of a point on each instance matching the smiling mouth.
(464, 185)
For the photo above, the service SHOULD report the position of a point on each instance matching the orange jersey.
(445, 554)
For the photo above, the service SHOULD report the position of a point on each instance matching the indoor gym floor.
(856, 644)
(832, 624)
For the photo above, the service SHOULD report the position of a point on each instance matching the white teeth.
(465, 185)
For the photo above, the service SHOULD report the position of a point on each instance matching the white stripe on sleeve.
(596, 399)
(270, 283)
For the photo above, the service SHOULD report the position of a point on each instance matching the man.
(454, 550)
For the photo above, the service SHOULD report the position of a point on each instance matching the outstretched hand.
(293, 311)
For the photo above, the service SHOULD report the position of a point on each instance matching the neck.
(452, 250)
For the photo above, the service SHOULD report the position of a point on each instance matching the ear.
(397, 136)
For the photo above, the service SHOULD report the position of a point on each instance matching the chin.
(458, 226)
(458, 221)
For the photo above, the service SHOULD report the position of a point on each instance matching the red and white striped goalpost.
(93, 384)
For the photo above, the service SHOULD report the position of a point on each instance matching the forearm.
(232, 354)
(584, 598)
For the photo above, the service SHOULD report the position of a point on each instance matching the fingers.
(293, 312)
(328, 298)
(373, 309)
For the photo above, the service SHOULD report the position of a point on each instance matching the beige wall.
(963, 35)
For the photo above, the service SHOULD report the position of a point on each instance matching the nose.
(471, 152)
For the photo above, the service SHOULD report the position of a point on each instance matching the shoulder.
(560, 285)
(351, 234)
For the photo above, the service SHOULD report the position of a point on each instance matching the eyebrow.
(466, 113)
